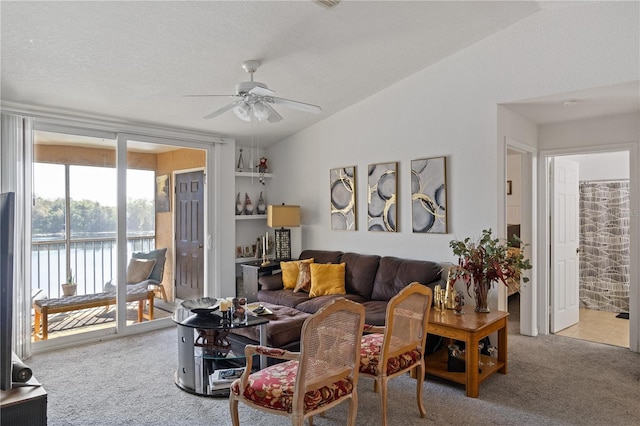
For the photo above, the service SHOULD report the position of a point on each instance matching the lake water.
(93, 264)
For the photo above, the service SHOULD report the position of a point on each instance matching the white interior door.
(565, 243)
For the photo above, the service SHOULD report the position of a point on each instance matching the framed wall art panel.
(342, 187)
(382, 192)
(429, 195)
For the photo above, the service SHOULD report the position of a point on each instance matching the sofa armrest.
(271, 282)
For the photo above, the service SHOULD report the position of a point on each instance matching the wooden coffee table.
(470, 328)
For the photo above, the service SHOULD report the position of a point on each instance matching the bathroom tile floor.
(599, 327)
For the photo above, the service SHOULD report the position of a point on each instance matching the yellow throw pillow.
(304, 278)
(327, 278)
(290, 272)
(139, 270)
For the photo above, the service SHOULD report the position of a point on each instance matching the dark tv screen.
(7, 212)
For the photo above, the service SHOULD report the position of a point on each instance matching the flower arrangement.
(483, 262)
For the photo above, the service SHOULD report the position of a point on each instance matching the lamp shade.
(260, 111)
(283, 216)
(243, 111)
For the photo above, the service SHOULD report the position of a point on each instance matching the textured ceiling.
(134, 61)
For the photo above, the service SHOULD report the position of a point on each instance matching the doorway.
(189, 234)
(604, 248)
(597, 325)
(603, 326)
(520, 220)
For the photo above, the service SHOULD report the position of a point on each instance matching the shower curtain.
(604, 239)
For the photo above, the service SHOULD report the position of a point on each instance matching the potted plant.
(488, 260)
(69, 287)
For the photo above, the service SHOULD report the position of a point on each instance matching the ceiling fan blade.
(274, 117)
(221, 110)
(297, 105)
(261, 91)
(208, 96)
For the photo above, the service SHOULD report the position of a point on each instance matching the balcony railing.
(93, 262)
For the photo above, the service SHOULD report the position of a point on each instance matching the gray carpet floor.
(551, 381)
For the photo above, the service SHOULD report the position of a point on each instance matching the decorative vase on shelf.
(261, 208)
(248, 207)
(481, 289)
(239, 207)
(240, 165)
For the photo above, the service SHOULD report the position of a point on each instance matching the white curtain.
(16, 153)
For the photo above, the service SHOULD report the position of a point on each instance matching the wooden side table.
(470, 328)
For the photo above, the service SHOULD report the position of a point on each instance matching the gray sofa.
(369, 279)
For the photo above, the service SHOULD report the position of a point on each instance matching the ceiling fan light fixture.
(260, 111)
(255, 99)
(243, 111)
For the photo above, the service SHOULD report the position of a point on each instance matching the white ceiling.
(134, 61)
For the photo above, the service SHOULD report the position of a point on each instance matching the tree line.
(90, 218)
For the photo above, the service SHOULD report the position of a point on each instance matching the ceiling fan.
(254, 99)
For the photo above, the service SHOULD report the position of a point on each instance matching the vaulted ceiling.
(135, 61)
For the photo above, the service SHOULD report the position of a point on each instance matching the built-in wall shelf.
(254, 174)
(251, 216)
(252, 228)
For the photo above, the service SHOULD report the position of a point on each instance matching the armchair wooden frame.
(329, 355)
(401, 348)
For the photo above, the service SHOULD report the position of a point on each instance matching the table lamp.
(281, 217)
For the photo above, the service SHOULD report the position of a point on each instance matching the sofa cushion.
(284, 327)
(322, 256)
(394, 274)
(360, 273)
(375, 312)
(327, 279)
(311, 306)
(284, 297)
(271, 282)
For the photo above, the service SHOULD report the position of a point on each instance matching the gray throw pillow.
(159, 255)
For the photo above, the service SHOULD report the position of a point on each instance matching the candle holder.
(239, 311)
(226, 316)
(459, 303)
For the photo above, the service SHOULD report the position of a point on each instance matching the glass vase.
(482, 287)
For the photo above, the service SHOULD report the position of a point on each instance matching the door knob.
(579, 250)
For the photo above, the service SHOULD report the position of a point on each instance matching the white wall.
(611, 130)
(602, 166)
(450, 109)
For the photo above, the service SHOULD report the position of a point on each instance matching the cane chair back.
(399, 346)
(323, 374)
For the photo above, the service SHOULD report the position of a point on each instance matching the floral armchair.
(323, 374)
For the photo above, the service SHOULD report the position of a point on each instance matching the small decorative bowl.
(201, 306)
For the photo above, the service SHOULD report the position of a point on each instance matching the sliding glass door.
(73, 232)
(105, 226)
